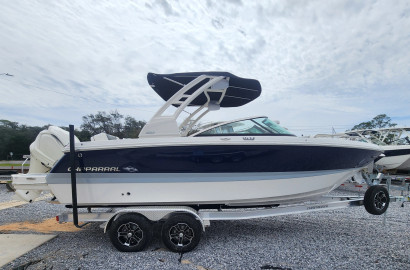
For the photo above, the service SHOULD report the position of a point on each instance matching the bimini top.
(239, 92)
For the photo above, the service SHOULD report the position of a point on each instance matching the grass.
(10, 164)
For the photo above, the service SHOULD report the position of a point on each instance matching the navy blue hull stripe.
(398, 152)
(218, 159)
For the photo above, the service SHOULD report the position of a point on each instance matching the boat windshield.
(255, 126)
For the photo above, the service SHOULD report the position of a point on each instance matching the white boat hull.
(405, 166)
(194, 189)
(232, 170)
(400, 162)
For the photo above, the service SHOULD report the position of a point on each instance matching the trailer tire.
(376, 200)
(181, 233)
(130, 232)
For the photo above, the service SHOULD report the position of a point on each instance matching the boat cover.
(240, 91)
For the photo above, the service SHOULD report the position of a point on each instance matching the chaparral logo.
(96, 169)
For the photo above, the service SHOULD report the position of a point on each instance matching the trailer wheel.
(376, 200)
(181, 233)
(130, 232)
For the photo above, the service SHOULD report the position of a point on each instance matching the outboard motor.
(45, 151)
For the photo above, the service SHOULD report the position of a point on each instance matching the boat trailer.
(131, 228)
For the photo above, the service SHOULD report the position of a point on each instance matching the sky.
(321, 64)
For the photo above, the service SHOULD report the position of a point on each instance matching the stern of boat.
(29, 186)
(45, 152)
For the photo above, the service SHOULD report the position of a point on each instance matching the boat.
(395, 144)
(247, 162)
(394, 141)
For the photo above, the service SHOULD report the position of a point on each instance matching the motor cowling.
(48, 148)
(45, 152)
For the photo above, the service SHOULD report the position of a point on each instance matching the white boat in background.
(393, 135)
(247, 162)
(394, 141)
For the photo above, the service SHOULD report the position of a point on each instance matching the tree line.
(379, 121)
(16, 138)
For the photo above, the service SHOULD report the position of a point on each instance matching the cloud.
(338, 62)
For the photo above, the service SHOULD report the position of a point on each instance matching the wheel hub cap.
(380, 200)
(181, 234)
(129, 234)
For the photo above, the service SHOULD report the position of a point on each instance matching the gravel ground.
(342, 239)
(5, 196)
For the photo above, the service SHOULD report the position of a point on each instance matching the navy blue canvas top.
(240, 91)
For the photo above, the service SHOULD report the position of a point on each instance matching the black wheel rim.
(181, 234)
(130, 234)
(380, 200)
